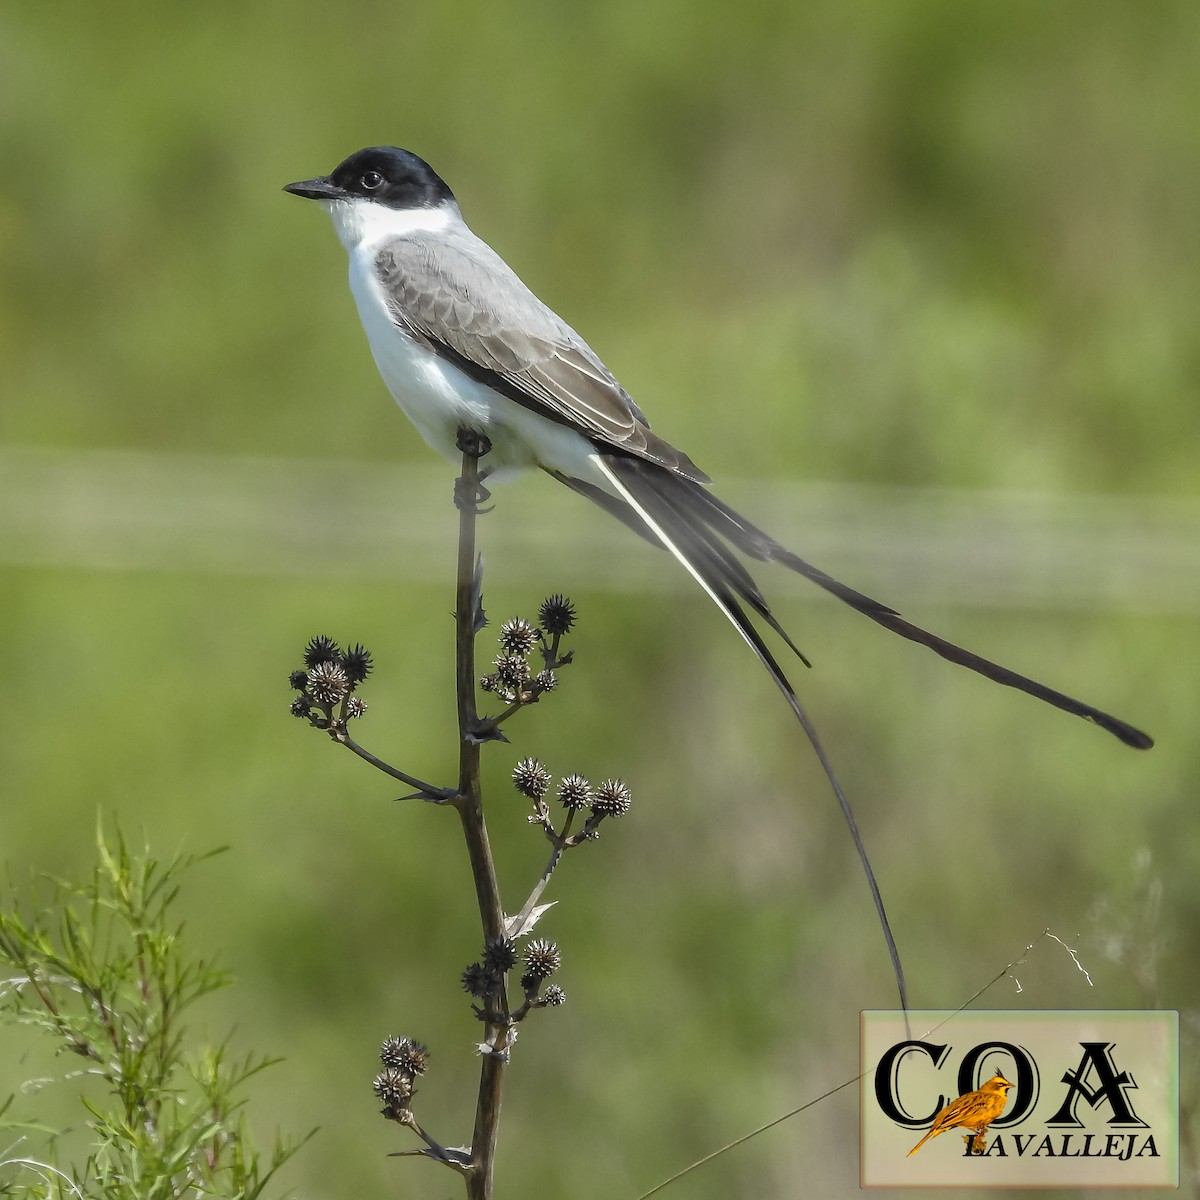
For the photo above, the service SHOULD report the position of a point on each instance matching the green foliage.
(103, 971)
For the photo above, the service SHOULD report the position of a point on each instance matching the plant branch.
(526, 911)
(451, 1158)
(561, 843)
(425, 791)
(469, 802)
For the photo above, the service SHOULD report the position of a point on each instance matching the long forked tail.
(700, 508)
(650, 493)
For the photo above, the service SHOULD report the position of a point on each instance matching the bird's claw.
(472, 442)
(469, 494)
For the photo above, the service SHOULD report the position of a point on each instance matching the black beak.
(315, 189)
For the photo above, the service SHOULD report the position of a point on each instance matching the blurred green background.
(902, 255)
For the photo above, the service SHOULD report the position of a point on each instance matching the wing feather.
(459, 298)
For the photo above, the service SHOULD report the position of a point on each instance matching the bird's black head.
(385, 174)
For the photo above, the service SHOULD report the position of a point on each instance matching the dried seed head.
(327, 682)
(301, 706)
(355, 707)
(357, 661)
(541, 959)
(546, 680)
(531, 779)
(500, 954)
(298, 680)
(574, 792)
(518, 636)
(394, 1088)
(391, 1051)
(612, 799)
(416, 1060)
(512, 671)
(556, 615)
(478, 981)
(554, 996)
(404, 1055)
(319, 650)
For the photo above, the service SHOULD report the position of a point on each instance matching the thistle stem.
(469, 803)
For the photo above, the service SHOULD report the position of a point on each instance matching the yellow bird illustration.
(974, 1111)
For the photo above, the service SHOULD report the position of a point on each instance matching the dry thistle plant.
(523, 671)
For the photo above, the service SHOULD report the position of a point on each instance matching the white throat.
(364, 222)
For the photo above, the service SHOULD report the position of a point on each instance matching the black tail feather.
(709, 561)
(701, 547)
(690, 522)
(706, 508)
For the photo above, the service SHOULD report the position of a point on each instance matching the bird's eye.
(371, 180)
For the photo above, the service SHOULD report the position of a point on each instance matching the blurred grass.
(921, 244)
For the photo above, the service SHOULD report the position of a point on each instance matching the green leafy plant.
(103, 970)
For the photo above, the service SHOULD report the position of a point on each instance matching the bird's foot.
(472, 442)
(469, 494)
